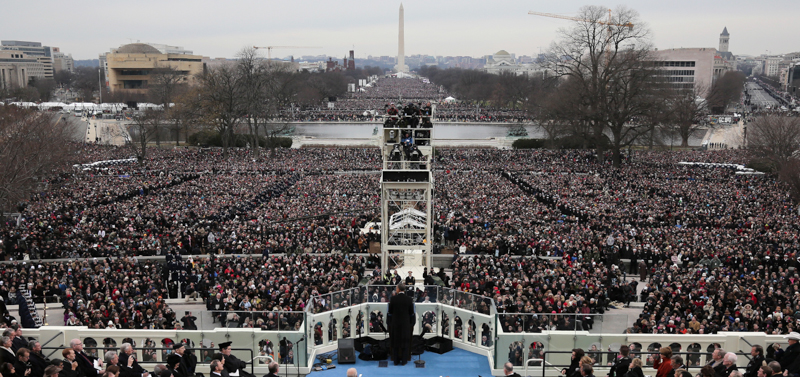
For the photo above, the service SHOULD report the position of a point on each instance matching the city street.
(760, 97)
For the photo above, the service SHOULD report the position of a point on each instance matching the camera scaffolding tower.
(407, 194)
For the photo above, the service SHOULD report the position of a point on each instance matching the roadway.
(79, 125)
(759, 97)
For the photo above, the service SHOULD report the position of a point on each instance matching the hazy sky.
(441, 27)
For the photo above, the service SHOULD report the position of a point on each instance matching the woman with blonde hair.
(636, 368)
(664, 363)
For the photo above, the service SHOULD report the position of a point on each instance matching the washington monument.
(401, 48)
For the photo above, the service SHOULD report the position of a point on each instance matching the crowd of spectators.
(711, 250)
(372, 101)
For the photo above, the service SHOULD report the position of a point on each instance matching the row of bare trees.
(33, 146)
(774, 141)
(602, 86)
(239, 97)
(610, 90)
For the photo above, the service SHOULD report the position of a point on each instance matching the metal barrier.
(382, 293)
(545, 363)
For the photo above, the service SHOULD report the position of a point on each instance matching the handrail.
(554, 366)
(452, 292)
(51, 339)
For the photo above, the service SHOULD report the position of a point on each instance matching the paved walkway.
(106, 132)
(729, 135)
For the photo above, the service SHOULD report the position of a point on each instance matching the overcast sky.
(441, 27)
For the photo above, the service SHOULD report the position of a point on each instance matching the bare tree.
(775, 138)
(32, 145)
(221, 101)
(86, 81)
(774, 141)
(282, 89)
(143, 130)
(558, 116)
(608, 57)
(254, 71)
(790, 174)
(166, 83)
(726, 90)
(687, 110)
(184, 115)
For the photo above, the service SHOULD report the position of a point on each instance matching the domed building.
(503, 62)
(130, 67)
(137, 48)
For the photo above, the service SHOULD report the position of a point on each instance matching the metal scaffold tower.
(407, 193)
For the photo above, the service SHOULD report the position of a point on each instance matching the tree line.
(34, 146)
(601, 85)
(234, 102)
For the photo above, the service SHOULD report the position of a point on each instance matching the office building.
(17, 69)
(688, 68)
(129, 67)
(35, 50)
(62, 61)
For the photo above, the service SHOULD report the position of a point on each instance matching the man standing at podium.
(401, 319)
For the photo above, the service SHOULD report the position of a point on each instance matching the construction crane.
(269, 49)
(609, 22)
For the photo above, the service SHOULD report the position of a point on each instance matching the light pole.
(99, 85)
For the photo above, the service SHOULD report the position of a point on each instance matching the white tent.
(449, 99)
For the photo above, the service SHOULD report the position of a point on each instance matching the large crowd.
(371, 102)
(544, 234)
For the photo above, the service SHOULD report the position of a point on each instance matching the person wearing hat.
(174, 367)
(410, 281)
(790, 360)
(187, 362)
(232, 364)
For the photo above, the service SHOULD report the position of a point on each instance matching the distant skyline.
(445, 27)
